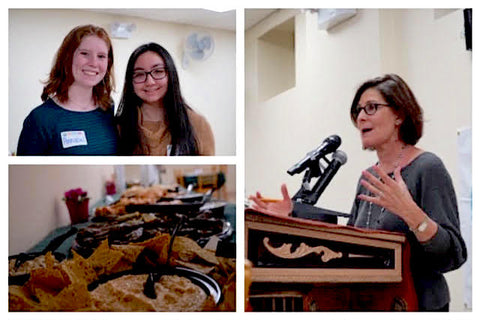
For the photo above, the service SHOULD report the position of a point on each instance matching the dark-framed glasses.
(157, 74)
(370, 108)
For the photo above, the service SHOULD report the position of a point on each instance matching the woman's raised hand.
(279, 208)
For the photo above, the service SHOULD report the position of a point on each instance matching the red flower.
(77, 195)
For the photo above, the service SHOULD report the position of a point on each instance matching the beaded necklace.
(382, 209)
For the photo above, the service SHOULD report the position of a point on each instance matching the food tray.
(182, 208)
(188, 197)
(205, 282)
(197, 228)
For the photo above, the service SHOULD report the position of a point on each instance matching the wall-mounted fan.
(198, 46)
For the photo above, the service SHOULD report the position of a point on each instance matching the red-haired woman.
(76, 117)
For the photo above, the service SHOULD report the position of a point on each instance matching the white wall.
(35, 198)
(35, 35)
(424, 46)
(283, 129)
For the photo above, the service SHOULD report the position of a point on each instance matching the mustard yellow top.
(156, 138)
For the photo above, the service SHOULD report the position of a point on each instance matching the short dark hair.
(184, 141)
(401, 99)
(61, 76)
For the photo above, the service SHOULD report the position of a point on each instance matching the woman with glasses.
(408, 190)
(76, 117)
(153, 118)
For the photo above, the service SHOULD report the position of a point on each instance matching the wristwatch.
(422, 226)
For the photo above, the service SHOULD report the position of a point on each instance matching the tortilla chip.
(20, 299)
(228, 302)
(104, 259)
(50, 260)
(73, 297)
(158, 244)
(79, 270)
(50, 280)
(186, 249)
(129, 252)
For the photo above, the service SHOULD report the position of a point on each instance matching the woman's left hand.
(391, 194)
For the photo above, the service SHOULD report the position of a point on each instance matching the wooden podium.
(308, 265)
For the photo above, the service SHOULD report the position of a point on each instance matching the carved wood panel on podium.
(301, 264)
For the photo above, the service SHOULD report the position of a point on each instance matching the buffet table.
(148, 249)
(227, 248)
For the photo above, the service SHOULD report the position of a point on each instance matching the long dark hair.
(400, 97)
(61, 76)
(176, 118)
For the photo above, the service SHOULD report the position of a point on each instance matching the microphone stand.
(306, 196)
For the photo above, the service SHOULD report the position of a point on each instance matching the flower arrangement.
(77, 204)
(75, 195)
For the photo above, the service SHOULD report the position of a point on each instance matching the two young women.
(77, 114)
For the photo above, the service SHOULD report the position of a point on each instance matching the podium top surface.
(252, 216)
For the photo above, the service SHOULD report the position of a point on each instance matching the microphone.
(328, 145)
(339, 158)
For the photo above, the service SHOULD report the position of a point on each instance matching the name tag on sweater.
(73, 139)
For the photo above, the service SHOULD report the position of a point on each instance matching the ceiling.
(254, 16)
(197, 17)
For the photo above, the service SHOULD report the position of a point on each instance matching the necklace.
(395, 166)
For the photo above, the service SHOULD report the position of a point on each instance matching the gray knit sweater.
(431, 187)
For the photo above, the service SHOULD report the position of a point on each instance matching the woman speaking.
(407, 190)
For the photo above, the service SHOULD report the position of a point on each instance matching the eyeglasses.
(370, 108)
(141, 76)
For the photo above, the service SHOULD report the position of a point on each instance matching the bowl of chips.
(122, 271)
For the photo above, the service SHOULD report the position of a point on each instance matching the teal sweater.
(52, 130)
